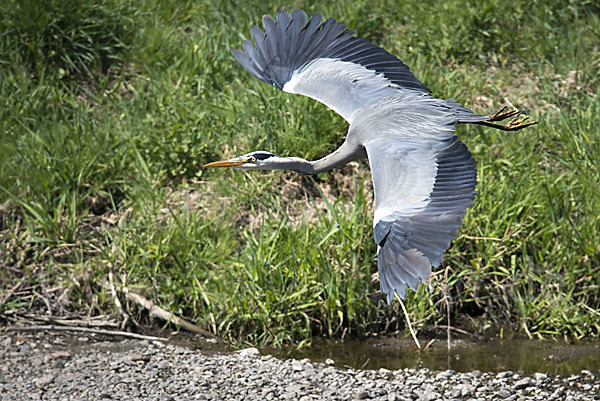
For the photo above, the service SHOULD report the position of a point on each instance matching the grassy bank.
(109, 108)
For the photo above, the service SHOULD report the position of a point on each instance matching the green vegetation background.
(108, 109)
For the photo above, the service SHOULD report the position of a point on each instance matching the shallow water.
(518, 355)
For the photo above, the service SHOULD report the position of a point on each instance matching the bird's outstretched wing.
(421, 196)
(325, 61)
(424, 181)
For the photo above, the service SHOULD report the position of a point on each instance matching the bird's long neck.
(343, 155)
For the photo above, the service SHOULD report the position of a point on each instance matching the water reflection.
(517, 355)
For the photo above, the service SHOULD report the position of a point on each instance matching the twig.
(91, 322)
(589, 309)
(43, 298)
(442, 326)
(447, 300)
(412, 333)
(159, 312)
(428, 345)
(87, 330)
(9, 293)
(113, 291)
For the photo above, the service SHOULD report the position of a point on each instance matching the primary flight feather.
(424, 178)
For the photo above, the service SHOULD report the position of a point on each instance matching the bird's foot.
(502, 114)
(517, 123)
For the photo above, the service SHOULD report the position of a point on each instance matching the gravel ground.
(36, 366)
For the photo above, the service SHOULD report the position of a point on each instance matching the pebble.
(523, 383)
(139, 370)
(249, 352)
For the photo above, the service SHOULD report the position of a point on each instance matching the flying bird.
(424, 178)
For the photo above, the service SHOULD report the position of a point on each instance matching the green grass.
(108, 109)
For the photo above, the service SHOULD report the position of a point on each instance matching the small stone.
(61, 355)
(503, 393)
(249, 352)
(297, 366)
(445, 374)
(523, 383)
(361, 395)
(429, 396)
(45, 380)
(540, 377)
(557, 393)
(135, 356)
(586, 372)
(466, 389)
(504, 375)
(329, 361)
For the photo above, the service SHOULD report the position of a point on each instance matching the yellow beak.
(227, 163)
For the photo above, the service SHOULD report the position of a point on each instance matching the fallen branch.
(441, 326)
(159, 312)
(90, 322)
(86, 330)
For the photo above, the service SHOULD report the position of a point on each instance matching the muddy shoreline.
(48, 366)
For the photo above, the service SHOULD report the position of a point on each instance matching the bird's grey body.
(424, 178)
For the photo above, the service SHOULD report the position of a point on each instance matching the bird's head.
(259, 160)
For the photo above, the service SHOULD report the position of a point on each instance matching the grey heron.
(424, 178)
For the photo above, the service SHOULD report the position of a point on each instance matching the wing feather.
(292, 43)
(417, 218)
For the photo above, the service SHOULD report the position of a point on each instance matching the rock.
(6, 343)
(249, 352)
(504, 375)
(361, 395)
(45, 380)
(135, 356)
(297, 366)
(523, 383)
(503, 394)
(329, 361)
(465, 389)
(540, 377)
(61, 355)
(445, 374)
(429, 396)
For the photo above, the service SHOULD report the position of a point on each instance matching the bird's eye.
(252, 159)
